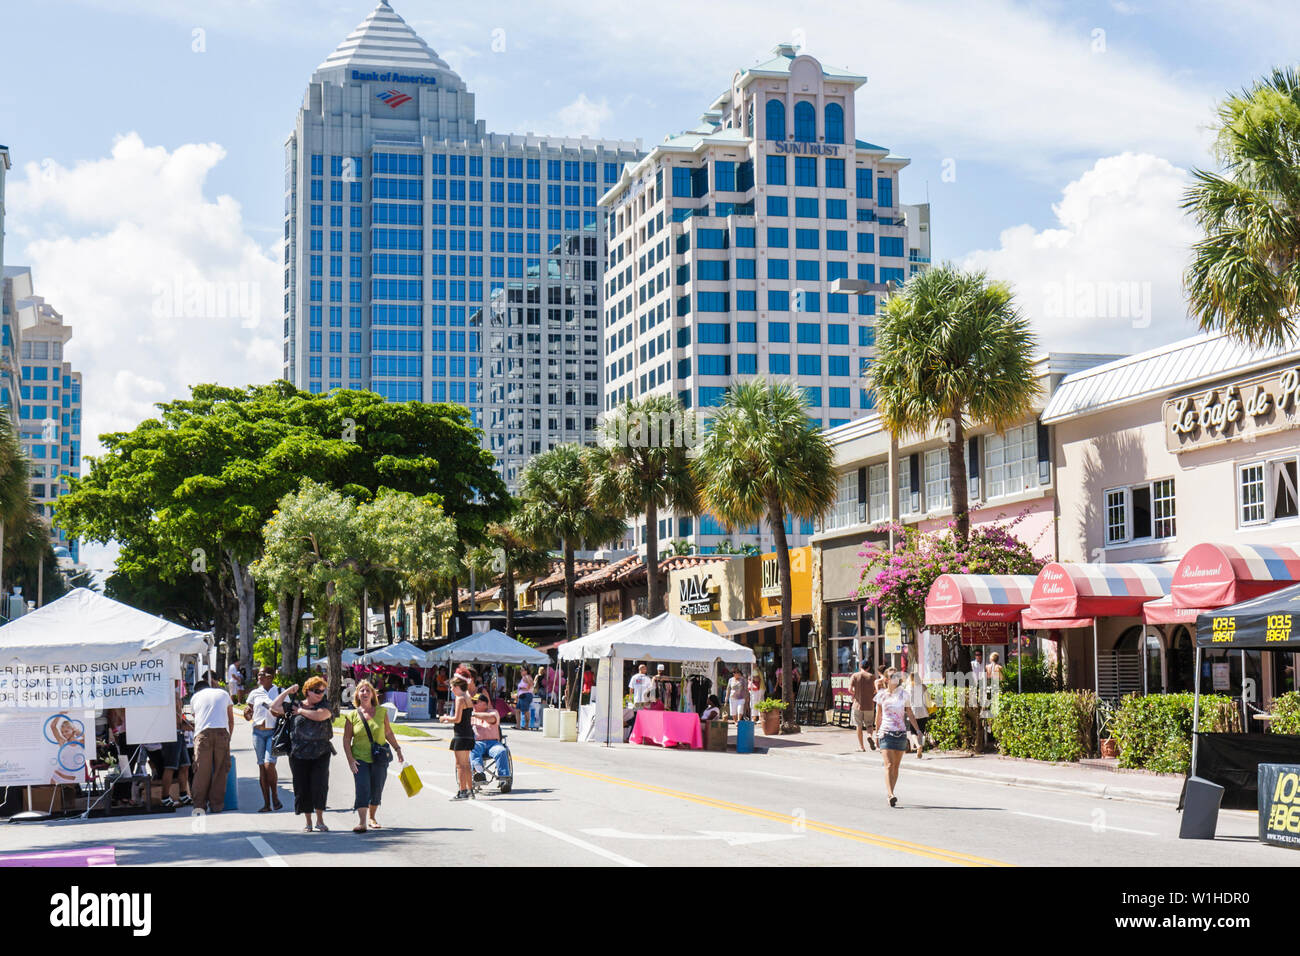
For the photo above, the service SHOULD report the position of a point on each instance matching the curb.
(1101, 791)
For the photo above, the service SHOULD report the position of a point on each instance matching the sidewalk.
(1103, 782)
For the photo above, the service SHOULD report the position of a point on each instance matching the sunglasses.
(315, 690)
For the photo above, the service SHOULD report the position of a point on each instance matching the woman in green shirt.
(368, 774)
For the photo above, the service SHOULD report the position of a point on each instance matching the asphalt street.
(587, 804)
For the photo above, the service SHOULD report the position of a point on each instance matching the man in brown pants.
(214, 722)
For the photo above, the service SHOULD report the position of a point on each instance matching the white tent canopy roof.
(403, 653)
(85, 626)
(488, 647)
(350, 657)
(581, 648)
(664, 638)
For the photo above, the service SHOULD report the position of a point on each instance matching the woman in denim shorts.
(893, 714)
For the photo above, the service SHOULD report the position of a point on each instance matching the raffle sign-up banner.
(1279, 804)
(143, 681)
(43, 748)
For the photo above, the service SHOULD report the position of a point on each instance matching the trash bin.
(568, 725)
(232, 787)
(745, 737)
(551, 722)
(715, 735)
(1201, 799)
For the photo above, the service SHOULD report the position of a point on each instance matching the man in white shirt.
(214, 722)
(642, 687)
(260, 701)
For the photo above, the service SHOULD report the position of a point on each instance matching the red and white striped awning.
(1097, 590)
(1030, 623)
(967, 598)
(1216, 575)
(1165, 611)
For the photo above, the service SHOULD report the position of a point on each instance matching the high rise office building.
(49, 401)
(724, 244)
(429, 259)
(8, 328)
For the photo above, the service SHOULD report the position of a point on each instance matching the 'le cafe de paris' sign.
(1232, 412)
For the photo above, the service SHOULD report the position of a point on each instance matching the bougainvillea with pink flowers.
(898, 581)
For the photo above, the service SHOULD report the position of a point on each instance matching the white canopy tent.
(83, 625)
(487, 647)
(351, 655)
(401, 654)
(663, 638)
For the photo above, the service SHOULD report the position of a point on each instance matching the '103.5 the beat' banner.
(1279, 804)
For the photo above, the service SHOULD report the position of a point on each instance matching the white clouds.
(583, 117)
(1108, 276)
(162, 286)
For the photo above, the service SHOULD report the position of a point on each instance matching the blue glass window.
(778, 300)
(810, 333)
(805, 122)
(724, 176)
(778, 331)
(884, 192)
(778, 206)
(892, 246)
(778, 237)
(807, 239)
(805, 207)
(745, 237)
(746, 331)
(711, 396)
(834, 123)
(776, 170)
(778, 268)
(808, 269)
(805, 170)
(778, 364)
(775, 116)
(866, 242)
(837, 365)
(746, 363)
(713, 364)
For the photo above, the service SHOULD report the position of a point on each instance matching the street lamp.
(307, 618)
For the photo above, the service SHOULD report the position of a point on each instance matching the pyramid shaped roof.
(383, 40)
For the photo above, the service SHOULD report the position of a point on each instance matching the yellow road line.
(828, 829)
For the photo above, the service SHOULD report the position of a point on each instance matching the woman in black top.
(462, 735)
(309, 758)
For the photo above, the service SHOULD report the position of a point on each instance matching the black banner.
(1279, 804)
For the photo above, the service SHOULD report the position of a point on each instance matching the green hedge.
(1038, 676)
(1286, 714)
(1155, 732)
(951, 726)
(1045, 726)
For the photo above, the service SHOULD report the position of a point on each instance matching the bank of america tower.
(429, 259)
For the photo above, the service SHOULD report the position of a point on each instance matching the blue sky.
(1052, 140)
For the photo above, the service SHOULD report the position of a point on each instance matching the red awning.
(1216, 575)
(1097, 590)
(1164, 611)
(1030, 623)
(967, 598)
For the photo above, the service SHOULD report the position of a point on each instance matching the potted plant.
(771, 709)
(1109, 747)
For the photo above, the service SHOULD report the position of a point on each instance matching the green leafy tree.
(327, 544)
(198, 483)
(560, 507)
(764, 458)
(642, 465)
(511, 553)
(16, 504)
(1244, 278)
(952, 347)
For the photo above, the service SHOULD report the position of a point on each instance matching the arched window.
(776, 120)
(805, 123)
(834, 123)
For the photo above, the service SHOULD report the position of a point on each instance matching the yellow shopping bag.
(410, 780)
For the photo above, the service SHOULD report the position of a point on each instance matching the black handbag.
(382, 756)
(282, 736)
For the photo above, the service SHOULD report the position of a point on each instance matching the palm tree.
(560, 506)
(763, 457)
(15, 491)
(641, 465)
(950, 346)
(1243, 277)
(514, 554)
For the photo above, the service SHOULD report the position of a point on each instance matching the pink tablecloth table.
(667, 729)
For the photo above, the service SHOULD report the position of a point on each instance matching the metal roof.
(1174, 367)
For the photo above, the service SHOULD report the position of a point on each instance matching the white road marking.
(731, 837)
(779, 776)
(488, 807)
(1085, 823)
(261, 846)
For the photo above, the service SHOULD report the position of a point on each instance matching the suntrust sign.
(1233, 412)
(807, 149)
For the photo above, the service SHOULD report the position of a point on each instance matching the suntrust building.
(725, 242)
(428, 259)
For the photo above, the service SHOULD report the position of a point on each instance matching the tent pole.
(1245, 714)
(1020, 670)
(1142, 659)
(1196, 708)
(1096, 673)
